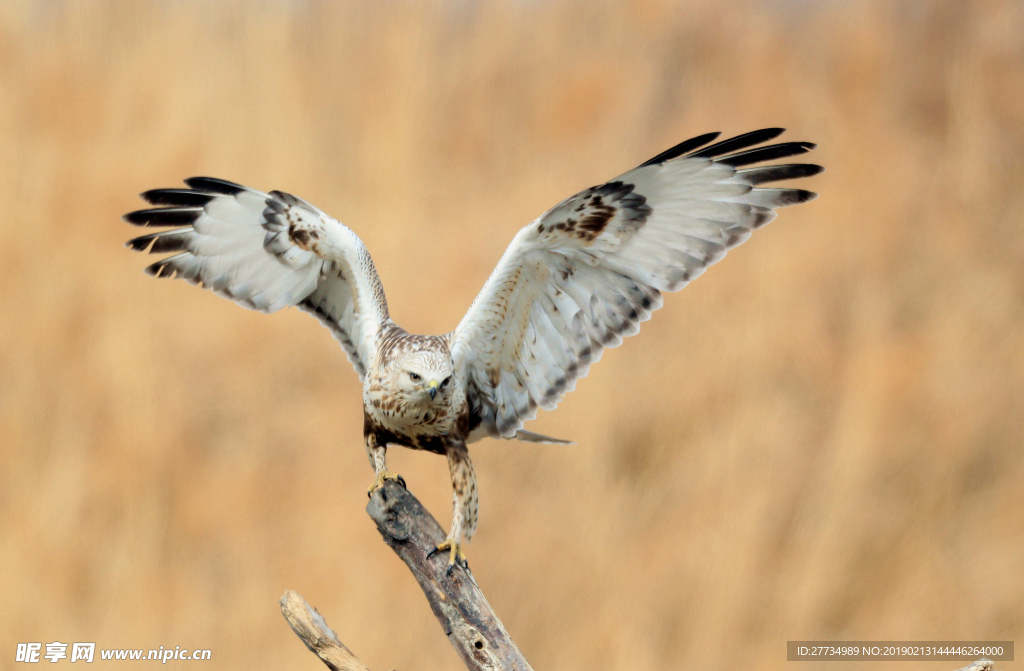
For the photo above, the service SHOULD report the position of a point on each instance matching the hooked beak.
(432, 388)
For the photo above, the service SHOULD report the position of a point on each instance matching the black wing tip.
(799, 146)
(810, 169)
(778, 173)
(138, 217)
(139, 244)
(770, 133)
(738, 142)
(214, 185)
(162, 243)
(768, 153)
(163, 216)
(176, 197)
(794, 197)
(729, 151)
(684, 147)
(180, 207)
(156, 269)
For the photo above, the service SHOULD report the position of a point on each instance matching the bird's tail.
(530, 437)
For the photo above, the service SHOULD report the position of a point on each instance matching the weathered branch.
(471, 626)
(311, 627)
(459, 605)
(467, 619)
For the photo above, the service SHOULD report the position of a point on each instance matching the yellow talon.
(378, 482)
(455, 555)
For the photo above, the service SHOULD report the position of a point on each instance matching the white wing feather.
(268, 252)
(586, 273)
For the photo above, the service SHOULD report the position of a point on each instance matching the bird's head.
(424, 376)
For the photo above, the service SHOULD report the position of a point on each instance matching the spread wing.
(267, 252)
(586, 273)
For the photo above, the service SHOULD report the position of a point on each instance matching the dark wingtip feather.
(683, 147)
(786, 197)
(176, 197)
(777, 173)
(154, 269)
(162, 243)
(134, 218)
(739, 142)
(214, 185)
(769, 153)
(139, 244)
(163, 216)
(796, 196)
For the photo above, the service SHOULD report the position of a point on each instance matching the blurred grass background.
(822, 438)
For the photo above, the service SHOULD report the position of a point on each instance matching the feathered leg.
(465, 505)
(376, 451)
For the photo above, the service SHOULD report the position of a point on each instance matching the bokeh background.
(821, 438)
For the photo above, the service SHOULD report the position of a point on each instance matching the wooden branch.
(471, 626)
(310, 626)
(467, 619)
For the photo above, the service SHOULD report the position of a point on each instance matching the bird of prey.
(575, 281)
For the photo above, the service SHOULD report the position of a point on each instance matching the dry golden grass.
(821, 438)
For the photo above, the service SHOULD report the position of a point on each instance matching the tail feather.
(530, 437)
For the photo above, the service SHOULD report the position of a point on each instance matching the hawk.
(577, 280)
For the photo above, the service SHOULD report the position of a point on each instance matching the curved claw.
(378, 482)
(455, 556)
(463, 564)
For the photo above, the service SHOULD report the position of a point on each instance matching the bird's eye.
(445, 382)
(414, 377)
